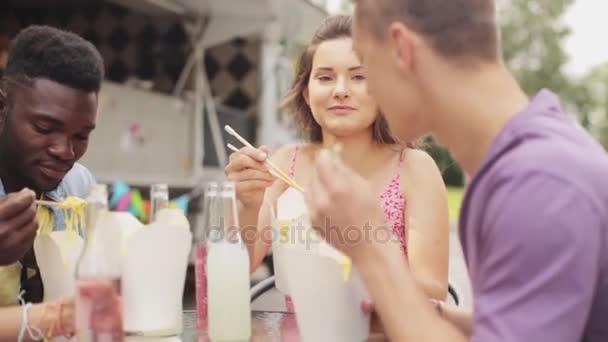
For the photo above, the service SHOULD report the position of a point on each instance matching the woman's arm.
(428, 225)
(256, 222)
(54, 319)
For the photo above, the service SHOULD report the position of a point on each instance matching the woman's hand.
(250, 175)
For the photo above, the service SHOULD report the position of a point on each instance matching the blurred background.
(179, 70)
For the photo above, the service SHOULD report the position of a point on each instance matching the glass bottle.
(98, 278)
(228, 279)
(159, 199)
(200, 265)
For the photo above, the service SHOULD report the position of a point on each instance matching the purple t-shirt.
(534, 229)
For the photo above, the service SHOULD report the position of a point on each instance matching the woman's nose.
(341, 88)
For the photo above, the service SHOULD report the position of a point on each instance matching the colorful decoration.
(137, 206)
(124, 198)
(119, 190)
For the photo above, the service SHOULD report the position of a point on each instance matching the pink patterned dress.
(391, 200)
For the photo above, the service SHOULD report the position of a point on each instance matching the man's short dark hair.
(56, 55)
(454, 28)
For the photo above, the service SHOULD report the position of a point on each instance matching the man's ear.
(402, 40)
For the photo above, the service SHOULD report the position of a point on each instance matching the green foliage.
(450, 170)
(533, 36)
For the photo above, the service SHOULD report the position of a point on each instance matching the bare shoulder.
(282, 156)
(418, 161)
(420, 171)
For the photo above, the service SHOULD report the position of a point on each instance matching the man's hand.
(18, 225)
(344, 209)
(376, 324)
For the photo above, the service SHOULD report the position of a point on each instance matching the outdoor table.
(266, 326)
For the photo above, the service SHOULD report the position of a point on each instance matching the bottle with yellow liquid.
(227, 272)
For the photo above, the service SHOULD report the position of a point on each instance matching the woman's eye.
(324, 78)
(358, 77)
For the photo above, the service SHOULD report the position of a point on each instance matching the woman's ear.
(306, 96)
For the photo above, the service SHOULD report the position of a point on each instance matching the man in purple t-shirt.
(534, 222)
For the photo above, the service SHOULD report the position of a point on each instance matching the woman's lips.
(341, 109)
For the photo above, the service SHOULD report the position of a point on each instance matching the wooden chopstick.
(232, 132)
(50, 203)
(288, 180)
(279, 173)
(234, 149)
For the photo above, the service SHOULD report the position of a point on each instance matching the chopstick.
(50, 203)
(277, 171)
(272, 171)
(234, 149)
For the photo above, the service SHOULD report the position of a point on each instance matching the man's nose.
(62, 149)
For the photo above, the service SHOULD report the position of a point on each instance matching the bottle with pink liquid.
(200, 264)
(98, 275)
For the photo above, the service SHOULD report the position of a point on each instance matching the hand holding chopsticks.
(274, 170)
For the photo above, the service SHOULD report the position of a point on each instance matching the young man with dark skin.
(534, 221)
(48, 109)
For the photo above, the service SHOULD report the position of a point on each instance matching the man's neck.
(474, 111)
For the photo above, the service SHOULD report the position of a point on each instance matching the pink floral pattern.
(393, 203)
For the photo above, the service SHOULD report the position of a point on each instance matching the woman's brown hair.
(333, 27)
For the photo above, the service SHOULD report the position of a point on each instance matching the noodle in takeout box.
(316, 275)
(58, 252)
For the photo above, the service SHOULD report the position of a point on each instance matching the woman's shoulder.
(419, 167)
(416, 156)
(285, 154)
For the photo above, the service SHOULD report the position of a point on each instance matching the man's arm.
(405, 311)
(55, 317)
(461, 318)
(340, 196)
(537, 262)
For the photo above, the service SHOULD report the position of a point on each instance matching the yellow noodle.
(73, 212)
(46, 220)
